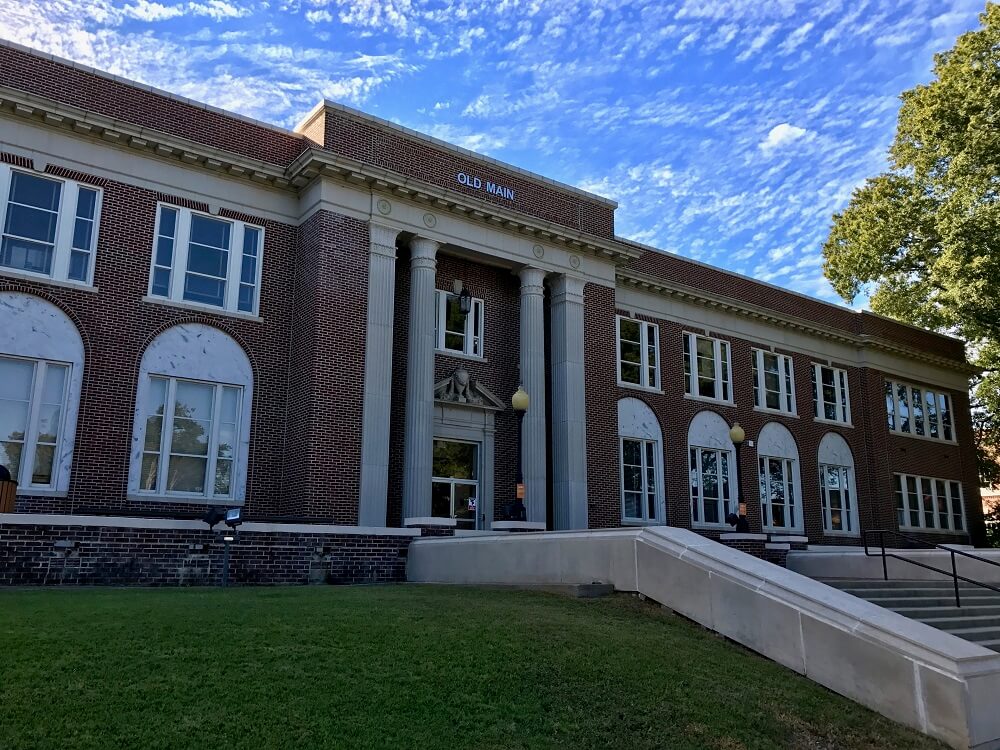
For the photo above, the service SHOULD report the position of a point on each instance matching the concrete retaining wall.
(912, 673)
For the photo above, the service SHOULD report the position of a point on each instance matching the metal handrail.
(955, 577)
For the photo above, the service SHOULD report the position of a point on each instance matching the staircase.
(933, 603)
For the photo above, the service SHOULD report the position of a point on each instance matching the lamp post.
(737, 434)
(520, 403)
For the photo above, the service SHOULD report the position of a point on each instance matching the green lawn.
(395, 666)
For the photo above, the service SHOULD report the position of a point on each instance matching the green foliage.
(397, 667)
(923, 238)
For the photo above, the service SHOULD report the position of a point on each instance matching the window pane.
(629, 330)
(42, 471)
(79, 265)
(161, 282)
(245, 303)
(49, 418)
(903, 411)
(465, 504)
(441, 500)
(209, 261)
(633, 505)
(83, 230)
(186, 474)
(630, 373)
(26, 255)
(223, 477)
(890, 405)
(149, 471)
(631, 453)
(455, 460)
(86, 203)
(168, 221)
(931, 412)
(31, 223)
(251, 241)
(35, 191)
(164, 252)
(55, 384)
(205, 289)
(210, 232)
(917, 407)
(944, 410)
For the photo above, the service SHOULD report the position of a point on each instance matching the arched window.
(191, 436)
(713, 470)
(836, 482)
(780, 483)
(640, 454)
(41, 373)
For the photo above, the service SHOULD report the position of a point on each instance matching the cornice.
(733, 306)
(316, 162)
(311, 164)
(53, 114)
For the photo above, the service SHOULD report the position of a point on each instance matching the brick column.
(418, 437)
(533, 379)
(378, 376)
(569, 405)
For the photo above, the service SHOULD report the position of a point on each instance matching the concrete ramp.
(908, 671)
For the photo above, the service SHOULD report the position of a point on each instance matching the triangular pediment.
(463, 389)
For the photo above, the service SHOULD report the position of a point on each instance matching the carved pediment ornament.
(463, 388)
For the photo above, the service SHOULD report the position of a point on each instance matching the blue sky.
(728, 130)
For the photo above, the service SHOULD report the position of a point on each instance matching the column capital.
(567, 288)
(423, 248)
(382, 239)
(532, 280)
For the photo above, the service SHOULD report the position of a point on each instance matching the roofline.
(152, 89)
(389, 125)
(786, 290)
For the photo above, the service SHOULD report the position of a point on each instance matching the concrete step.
(947, 623)
(977, 634)
(870, 583)
(923, 613)
(966, 600)
(995, 645)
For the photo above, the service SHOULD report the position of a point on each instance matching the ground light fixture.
(519, 401)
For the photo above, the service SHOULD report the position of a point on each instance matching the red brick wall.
(104, 555)
(876, 453)
(327, 369)
(500, 291)
(116, 326)
(97, 93)
(603, 487)
(368, 143)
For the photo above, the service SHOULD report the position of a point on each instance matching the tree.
(923, 238)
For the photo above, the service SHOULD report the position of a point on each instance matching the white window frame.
(166, 435)
(645, 467)
(179, 260)
(473, 341)
(647, 331)
(786, 382)
(793, 493)
(850, 508)
(63, 245)
(909, 501)
(893, 422)
(723, 374)
(842, 390)
(721, 502)
(452, 482)
(29, 443)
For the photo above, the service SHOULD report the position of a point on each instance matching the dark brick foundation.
(50, 554)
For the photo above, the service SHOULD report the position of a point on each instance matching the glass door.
(455, 491)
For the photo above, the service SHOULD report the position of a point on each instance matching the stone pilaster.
(533, 379)
(378, 376)
(569, 405)
(418, 438)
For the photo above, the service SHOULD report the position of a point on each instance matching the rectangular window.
(773, 381)
(32, 412)
(455, 488)
(206, 260)
(839, 508)
(707, 368)
(191, 438)
(638, 353)
(455, 331)
(711, 495)
(777, 493)
(831, 397)
(914, 410)
(928, 503)
(638, 480)
(49, 225)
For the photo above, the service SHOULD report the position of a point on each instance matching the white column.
(378, 376)
(418, 442)
(569, 405)
(533, 449)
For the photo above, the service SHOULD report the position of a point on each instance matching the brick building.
(326, 325)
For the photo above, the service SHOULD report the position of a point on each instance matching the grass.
(395, 666)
